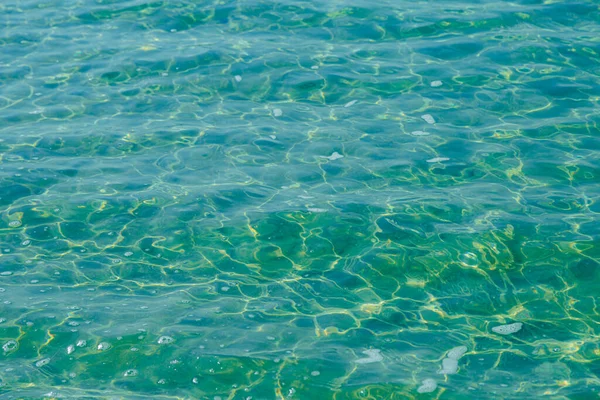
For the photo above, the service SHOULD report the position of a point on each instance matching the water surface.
(299, 199)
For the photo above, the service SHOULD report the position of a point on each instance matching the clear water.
(299, 199)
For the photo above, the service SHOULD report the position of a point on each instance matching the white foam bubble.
(81, 343)
(277, 112)
(428, 118)
(130, 372)
(165, 340)
(437, 159)
(350, 103)
(508, 329)
(427, 386)
(436, 83)
(42, 362)
(419, 133)
(14, 224)
(103, 346)
(70, 349)
(449, 366)
(373, 355)
(237, 78)
(334, 156)
(10, 346)
(457, 352)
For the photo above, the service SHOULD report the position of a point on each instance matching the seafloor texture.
(299, 199)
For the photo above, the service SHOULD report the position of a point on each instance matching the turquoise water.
(299, 199)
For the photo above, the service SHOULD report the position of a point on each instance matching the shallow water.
(244, 199)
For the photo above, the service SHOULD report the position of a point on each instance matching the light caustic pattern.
(299, 199)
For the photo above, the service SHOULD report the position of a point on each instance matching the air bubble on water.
(103, 346)
(165, 340)
(194, 380)
(428, 118)
(419, 133)
(72, 375)
(277, 112)
(81, 343)
(162, 382)
(469, 260)
(2, 320)
(508, 329)
(238, 78)
(15, 223)
(128, 253)
(42, 362)
(70, 349)
(10, 346)
(427, 386)
(25, 242)
(225, 288)
(270, 338)
(315, 373)
(436, 83)
(350, 103)
(6, 273)
(373, 355)
(130, 372)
